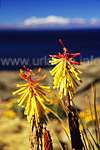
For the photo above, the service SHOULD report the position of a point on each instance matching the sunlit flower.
(9, 104)
(65, 74)
(10, 114)
(87, 116)
(81, 127)
(32, 97)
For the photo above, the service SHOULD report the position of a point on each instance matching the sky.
(49, 13)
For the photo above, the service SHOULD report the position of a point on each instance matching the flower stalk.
(47, 140)
(32, 97)
(65, 76)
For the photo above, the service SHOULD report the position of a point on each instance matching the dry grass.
(14, 133)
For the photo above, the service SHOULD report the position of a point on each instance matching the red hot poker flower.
(32, 96)
(65, 73)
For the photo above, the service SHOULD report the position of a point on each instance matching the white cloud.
(93, 20)
(78, 20)
(46, 20)
(60, 22)
(55, 22)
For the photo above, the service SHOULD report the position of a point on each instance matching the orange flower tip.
(21, 75)
(43, 76)
(38, 71)
(24, 67)
(21, 71)
(27, 69)
(50, 55)
(62, 44)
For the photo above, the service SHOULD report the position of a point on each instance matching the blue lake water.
(34, 47)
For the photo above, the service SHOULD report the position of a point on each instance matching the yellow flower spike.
(23, 91)
(19, 100)
(65, 74)
(24, 85)
(22, 101)
(14, 93)
(32, 97)
(27, 108)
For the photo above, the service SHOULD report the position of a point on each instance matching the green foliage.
(58, 110)
(18, 110)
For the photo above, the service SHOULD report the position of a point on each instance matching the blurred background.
(29, 32)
